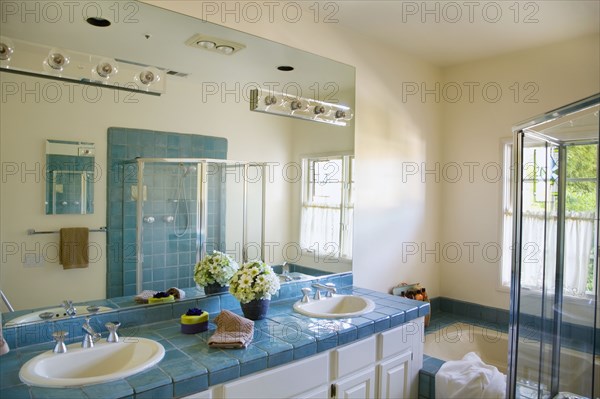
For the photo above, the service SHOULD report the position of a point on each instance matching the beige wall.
(559, 74)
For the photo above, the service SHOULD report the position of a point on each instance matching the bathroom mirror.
(69, 177)
(206, 93)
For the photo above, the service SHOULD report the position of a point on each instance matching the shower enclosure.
(177, 210)
(554, 326)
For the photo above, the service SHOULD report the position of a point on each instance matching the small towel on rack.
(233, 331)
(73, 248)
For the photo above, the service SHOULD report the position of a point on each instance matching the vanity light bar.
(22, 57)
(277, 103)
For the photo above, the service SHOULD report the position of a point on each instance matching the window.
(539, 222)
(327, 206)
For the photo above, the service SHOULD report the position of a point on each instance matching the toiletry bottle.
(418, 295)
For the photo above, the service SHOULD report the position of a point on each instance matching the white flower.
(215, 268)
(254, 280)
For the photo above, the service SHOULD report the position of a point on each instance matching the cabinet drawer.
(399, 339)
(353, 357)
(282, 382)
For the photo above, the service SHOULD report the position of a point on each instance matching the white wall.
(561, 73)
(57, 110)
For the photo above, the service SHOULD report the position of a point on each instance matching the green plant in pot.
(214, 271)
(253, 284)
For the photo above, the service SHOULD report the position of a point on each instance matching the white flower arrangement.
(254, 280)
(215, 268)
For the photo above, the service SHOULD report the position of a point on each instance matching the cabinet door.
(394, 377)
(319, 393)
(357, 386)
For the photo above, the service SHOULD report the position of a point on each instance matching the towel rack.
(33, 231)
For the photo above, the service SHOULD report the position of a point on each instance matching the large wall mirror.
(206, 93)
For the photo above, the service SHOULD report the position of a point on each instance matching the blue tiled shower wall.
(169, 248)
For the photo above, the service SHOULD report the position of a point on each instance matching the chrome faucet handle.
(305, 292)
(112, 328)
(90, 335)
(330, 290)
(59, 337)
(317, 295)
(70, 310)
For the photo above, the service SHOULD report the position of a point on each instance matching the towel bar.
(33, 231)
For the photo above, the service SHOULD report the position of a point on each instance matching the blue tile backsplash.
(169, 249)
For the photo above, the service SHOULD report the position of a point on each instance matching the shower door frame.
(202, 205)
(519, 132)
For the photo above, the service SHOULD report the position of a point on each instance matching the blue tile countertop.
(190, 365)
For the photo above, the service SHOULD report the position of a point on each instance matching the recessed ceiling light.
(207, 44)
(285, 68)
(99, 22)
(225, 49)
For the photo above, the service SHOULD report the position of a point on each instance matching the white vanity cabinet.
(383, 366)
(399, 359)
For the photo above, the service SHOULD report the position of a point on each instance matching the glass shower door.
(554, 333)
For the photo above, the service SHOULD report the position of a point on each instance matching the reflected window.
(327, 206)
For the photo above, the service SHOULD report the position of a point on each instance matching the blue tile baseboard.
(574, 336)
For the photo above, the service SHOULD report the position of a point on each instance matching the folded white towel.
(469, 378)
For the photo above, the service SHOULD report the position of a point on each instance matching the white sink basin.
(53, 314)
(103, 363)
(338, 306)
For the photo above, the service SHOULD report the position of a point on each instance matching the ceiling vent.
(214, 44)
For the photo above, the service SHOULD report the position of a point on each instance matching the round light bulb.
(57, 61)
(147, 77)
(106, 68)
(225, 49)
(6, 49)
(207, 44)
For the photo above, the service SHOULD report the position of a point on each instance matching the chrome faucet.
(329, 287)
(90, 335)
(70, 310)
(59, 337)
(285, 271)
(305, 292)
(112, 331)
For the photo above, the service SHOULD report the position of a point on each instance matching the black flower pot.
(256, 309)
(215, 288)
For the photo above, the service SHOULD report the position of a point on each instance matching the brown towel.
(73, 249)
(233, 331)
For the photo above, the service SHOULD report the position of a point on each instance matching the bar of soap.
(169, 298)
(194, 324)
